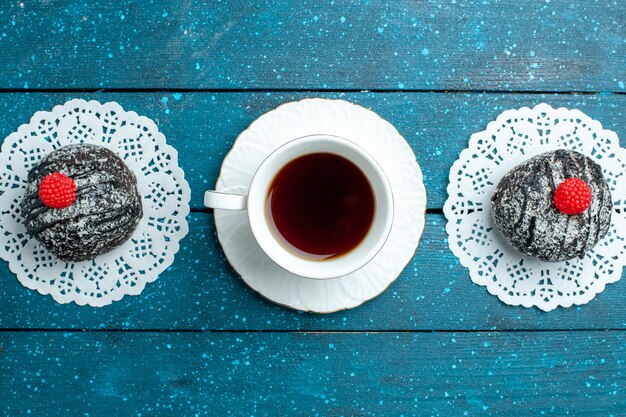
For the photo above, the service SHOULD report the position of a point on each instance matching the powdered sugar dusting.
(105, 213)
(523, 208)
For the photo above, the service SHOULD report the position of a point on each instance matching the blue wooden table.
(198, 341)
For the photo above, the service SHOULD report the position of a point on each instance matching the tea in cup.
(319, 206)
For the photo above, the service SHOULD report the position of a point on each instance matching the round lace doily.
(517, 279)
(161, 183)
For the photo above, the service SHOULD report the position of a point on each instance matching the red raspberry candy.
(572, 196)
(57, 191)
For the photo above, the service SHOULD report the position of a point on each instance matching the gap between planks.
(55, 330)
(302, 90)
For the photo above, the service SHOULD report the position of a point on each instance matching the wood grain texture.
(213, 374)
(201, 292)
(198, 341)
(203, 126)
(236, 44)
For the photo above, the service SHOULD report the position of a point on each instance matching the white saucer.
(376, 136)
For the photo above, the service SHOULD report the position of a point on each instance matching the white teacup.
(265, 234)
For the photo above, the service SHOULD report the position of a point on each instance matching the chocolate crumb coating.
(107, 207)
(524, 211)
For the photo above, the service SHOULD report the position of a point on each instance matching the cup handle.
(225, 201)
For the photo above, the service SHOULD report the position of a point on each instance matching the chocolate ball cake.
(81, 201)
(555, 206)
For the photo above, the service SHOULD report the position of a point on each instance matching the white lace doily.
(517, 279)
(161, 183)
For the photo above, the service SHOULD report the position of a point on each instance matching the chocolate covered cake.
(555, 206)
(81, 201)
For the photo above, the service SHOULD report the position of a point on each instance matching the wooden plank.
(236, 44)
(164, 374)
(203, 126)
(201, 292)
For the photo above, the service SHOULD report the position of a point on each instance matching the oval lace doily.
(161, 183)
(515, 278)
